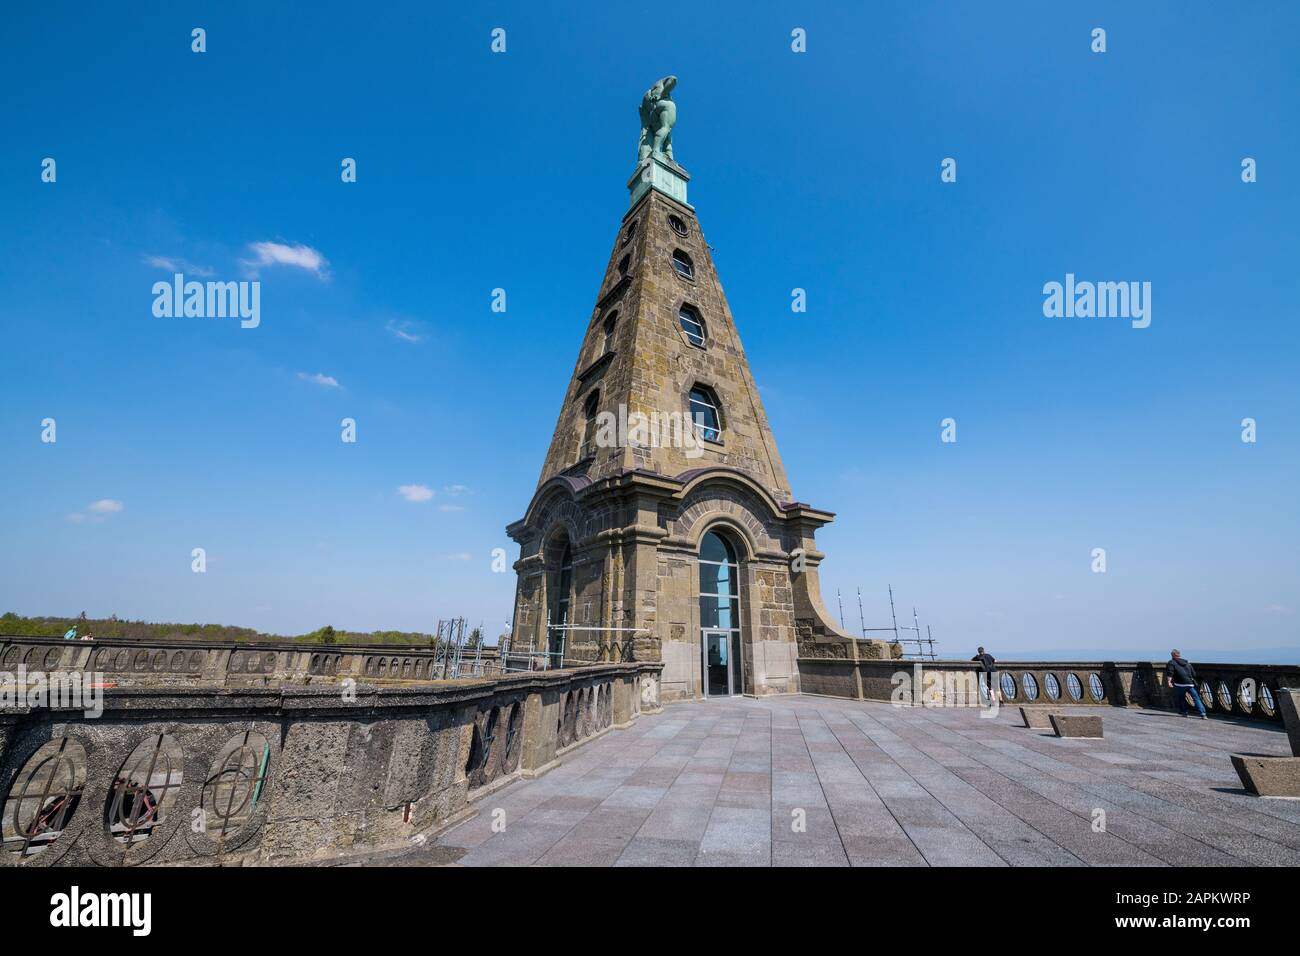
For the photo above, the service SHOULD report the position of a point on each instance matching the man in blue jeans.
(1181, 678)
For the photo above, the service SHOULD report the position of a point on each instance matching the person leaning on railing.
(989, 673)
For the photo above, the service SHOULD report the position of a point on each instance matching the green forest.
(14, 625)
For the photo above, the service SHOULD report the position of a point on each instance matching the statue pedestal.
(661, 173)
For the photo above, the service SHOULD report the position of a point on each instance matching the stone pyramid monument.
(663, 527)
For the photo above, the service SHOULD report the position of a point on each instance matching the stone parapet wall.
(126, 663)
(1239, 690)
(246, 775)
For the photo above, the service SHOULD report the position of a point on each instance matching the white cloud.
(97, 511)
(405, 330)
(455, 490)
(325, 381)
(415, 492)
(460, 556)
(174, 264)
(280, 254)
(450, 508)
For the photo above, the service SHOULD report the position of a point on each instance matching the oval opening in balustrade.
(1225, 696)
(1096, 688)
(44, 796)
(1051, 686)
(1030, 683)
(1074, 687)
(1008, 684)
(1246, 694)
(144, 790)
(1266, 702)
(234, 785)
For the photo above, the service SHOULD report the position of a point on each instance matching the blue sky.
(817, 170)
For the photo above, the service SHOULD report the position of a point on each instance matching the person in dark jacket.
(1180, 675)
(988, 673)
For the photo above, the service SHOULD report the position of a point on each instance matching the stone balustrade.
(126, 663)
(227, 771)
(1238, 690)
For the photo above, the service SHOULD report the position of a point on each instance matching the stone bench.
(1039, 718)
(1275, 776)
(1085, 727)
(1269, 776)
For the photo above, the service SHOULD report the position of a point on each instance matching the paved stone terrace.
(715, 783)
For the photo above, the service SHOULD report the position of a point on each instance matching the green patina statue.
(658, 114)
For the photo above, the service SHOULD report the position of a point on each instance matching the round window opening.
(43, 798)
(1074, 686)
(234, 785)
(144, 790)
(1207, 696)
(1008, 683)
(678, 225)
(1030, 684)
(1052, 686)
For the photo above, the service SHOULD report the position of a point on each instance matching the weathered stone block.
(1087, 727)
(1268, 776)
(1039, 718)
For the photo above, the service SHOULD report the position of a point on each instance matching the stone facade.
(611, 539)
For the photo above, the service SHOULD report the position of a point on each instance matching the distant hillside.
(14, 625)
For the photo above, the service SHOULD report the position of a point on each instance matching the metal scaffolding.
(555, 654)
(450, 660)
(924, 645)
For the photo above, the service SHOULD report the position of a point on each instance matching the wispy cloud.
(100, 510)
(460, 556)
(406, 330)
(415, 492)
(455, 490)
(324, 381)
(450, 508)
(176, 264)
(281, 254)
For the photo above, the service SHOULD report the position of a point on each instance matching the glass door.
(719, 664)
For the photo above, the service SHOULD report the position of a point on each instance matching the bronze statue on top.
(658, 114)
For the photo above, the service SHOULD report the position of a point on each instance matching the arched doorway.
(719, 592)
